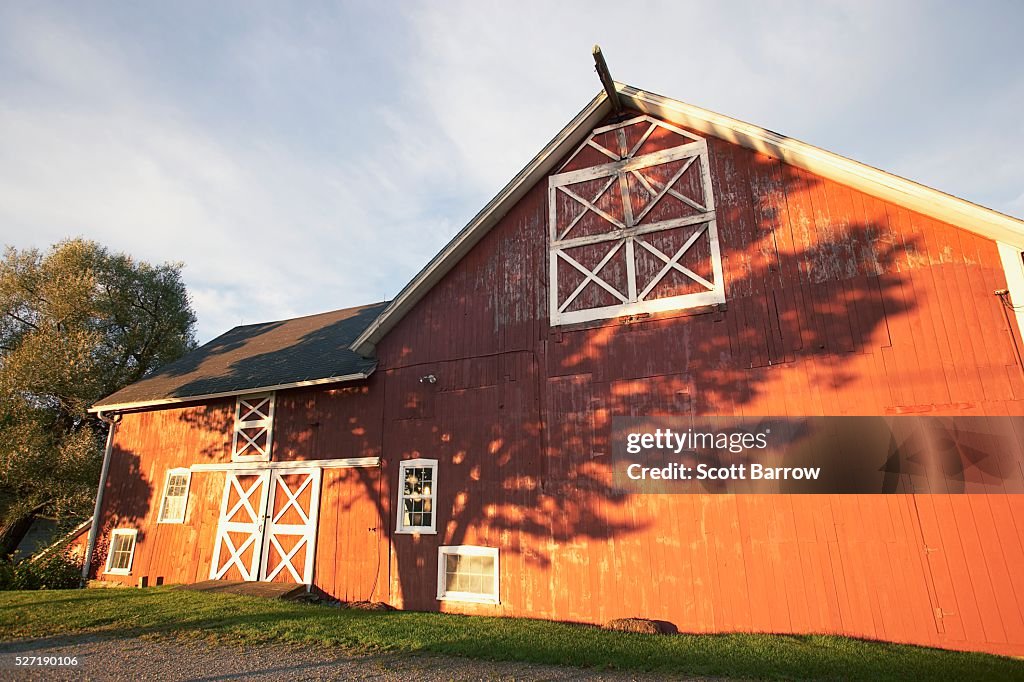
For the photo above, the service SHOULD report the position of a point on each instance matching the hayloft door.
(236, 552)
(289, 537)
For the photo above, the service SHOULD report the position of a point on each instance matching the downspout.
(94, 530)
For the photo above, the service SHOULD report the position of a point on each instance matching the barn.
(448, 450)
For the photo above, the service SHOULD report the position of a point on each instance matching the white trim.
(306, 531)
(254, 526)
(178, 471)
(110, 551)
(400, 527)
(931, 202)
(628, 233)
(467, 550)
(246, 406)
(927, 200)
(348, 462)
(226, 394)
(1013, 268)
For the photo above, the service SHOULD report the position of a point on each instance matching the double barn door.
(267, 527)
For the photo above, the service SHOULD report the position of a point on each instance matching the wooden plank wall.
(146, 446)
(838, 304)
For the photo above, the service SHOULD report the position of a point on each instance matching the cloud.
(266, 231)
(299, 161)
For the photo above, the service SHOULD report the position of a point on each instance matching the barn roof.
(917, 197)
(258, 357)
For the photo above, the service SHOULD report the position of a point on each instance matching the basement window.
(632, 225)
(121, 552)
(417, 485)
(467, 573)
(254, 425)
(172, 507)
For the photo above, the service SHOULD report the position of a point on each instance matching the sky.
(303, 157)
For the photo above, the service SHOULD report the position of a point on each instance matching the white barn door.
(237, 549)
(267, 528)
(289, 538)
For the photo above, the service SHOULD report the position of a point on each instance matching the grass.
(168, 612)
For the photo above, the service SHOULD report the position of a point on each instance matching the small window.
(466, 573)
(121, 552)
(254, 424)
(172, 508)
(417, 480)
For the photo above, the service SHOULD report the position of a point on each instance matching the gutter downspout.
(94, 530)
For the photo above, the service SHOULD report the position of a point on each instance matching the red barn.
(448, 450)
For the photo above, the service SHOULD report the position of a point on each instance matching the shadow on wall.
(126, 504)
(799, 284)
(523, 456)
(522, 449)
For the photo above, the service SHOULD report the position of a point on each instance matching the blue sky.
(301, 157)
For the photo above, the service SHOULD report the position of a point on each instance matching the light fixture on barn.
(428, 379)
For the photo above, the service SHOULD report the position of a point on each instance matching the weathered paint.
(837, 303)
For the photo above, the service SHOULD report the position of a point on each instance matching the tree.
(76, 324)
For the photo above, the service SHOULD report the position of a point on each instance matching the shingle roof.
(259, 356)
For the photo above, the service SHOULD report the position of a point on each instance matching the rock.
(641, 625)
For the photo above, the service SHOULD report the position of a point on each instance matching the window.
(121, 552)
(632, 225)
(172, 508)
(466, 573)
(254, 423)
(417, 481)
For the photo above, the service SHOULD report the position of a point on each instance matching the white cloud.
(311, 161)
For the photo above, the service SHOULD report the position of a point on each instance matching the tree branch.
(24, 322)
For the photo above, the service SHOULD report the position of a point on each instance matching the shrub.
(56, 572)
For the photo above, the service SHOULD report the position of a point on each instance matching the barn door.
(289, 537)
(236, 553)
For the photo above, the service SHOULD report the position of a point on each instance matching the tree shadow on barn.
(523, 434)
(126, 504)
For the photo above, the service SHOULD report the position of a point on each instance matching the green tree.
(76, 324)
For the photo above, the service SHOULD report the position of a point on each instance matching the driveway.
(101, 658)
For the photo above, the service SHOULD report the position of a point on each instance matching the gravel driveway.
(138, 659)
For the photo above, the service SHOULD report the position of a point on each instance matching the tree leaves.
(76, 324)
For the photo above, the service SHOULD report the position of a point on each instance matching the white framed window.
(254, 428)
(175, 499)
(417, 496)
(632, 223)
(121, 551)
(467, 573)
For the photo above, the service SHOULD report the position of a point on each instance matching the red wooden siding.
(837, 304)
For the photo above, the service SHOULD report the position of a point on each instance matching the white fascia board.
(1013, 268)
(288, 465)
(914, 196)
(118, 407)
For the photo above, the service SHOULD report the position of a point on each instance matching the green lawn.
(166, 611)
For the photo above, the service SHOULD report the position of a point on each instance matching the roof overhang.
(930, 202)
(162, 402)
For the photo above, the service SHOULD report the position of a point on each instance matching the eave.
(163, 402)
